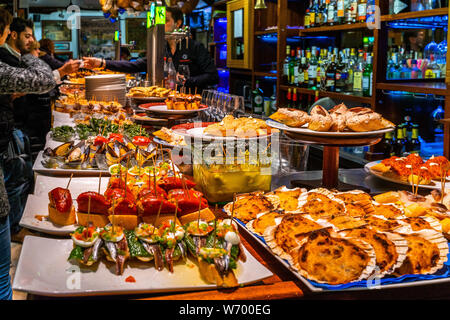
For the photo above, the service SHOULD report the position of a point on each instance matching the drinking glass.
(183, 73)
(431, 48)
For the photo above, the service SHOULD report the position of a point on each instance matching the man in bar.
(202, 70)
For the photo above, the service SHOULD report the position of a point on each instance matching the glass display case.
(240, 34)
(97, 37)
(417, 48)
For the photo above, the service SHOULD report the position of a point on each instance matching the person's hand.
(69, 67)
(181, 79)
(91, 63)
(16, 95)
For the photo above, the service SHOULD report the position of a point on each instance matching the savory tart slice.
(286, 236)
(333, 260)
(262, 222)
(346, 222)
(247, 207)
(321, 204)
(427, 252)
(389, 211)
(412, 224)
(287, 198)
(381, 224)
(390, 249)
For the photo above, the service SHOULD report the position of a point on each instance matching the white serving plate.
(304, 130)
(39, 168)
(44, 184)
(43, 269)
(162, 109)
(38, 205)
(435, 185)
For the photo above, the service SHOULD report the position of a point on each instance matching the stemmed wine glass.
(431, 48)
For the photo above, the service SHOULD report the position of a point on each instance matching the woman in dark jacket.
(47, 48)
(35, 77)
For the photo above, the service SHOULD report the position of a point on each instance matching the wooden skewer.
(215, 233)
(154, 179)
(159, 212)
(99, 182)
(198, 217)
(232, 208)
(68, 184)
(175, 216)
(89, 210)
(113, 215)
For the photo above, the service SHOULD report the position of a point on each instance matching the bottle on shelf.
(300, 102)
(407, 128)
(388, 145)
(273, 99)
(413, 145)
(316, 95)
(400, 143)
(367, 78)
(358, 74)
(172, 75)
(307, 18)
(288, 98)
(302, 70)
(292, 62)
(312, 70)
(312, 15)
(320, 74)
(257, 99)
(330, 83)
(286, 64)
(166, 73)
(340, 11)
(331, 12)
(362, 10)
(296, 67)
(352, 12)
(294, 99)
(416, 73)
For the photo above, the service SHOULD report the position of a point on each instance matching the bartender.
(202, 70)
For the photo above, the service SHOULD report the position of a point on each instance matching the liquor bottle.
(291, 67)
(388, 145)
(401, 6)
(407, 128)
(416, 73)
(307, 20)
(288, 98)
(331, 13)
(362, 10)
(341, 76)
(273, 99)
(367, 77)
(301, 72)
(312, 15)
(330, 84)
(286, 64)
(400, 143)
(320, 73)
(318, 21)
(172, 75)
(305, 70)
(166, 73)
(370, 15)
(294, 99)
(300, 102)
(257, 99)
(357, 75)
(340, 11)
(352, 11)
(296, 66)
(316, 95)
(433, 69)
(312, 71)
(414, 144)
(405, 71)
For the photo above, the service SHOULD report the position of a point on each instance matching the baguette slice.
(205, 214)
(211, 275)
(128, 222)
(62, 218)
(98, 220)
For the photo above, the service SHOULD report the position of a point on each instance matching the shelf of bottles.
(400, 9)
(326, 15)
(419, 127)
(346, 73)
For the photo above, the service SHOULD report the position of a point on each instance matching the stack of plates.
(107, 87)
